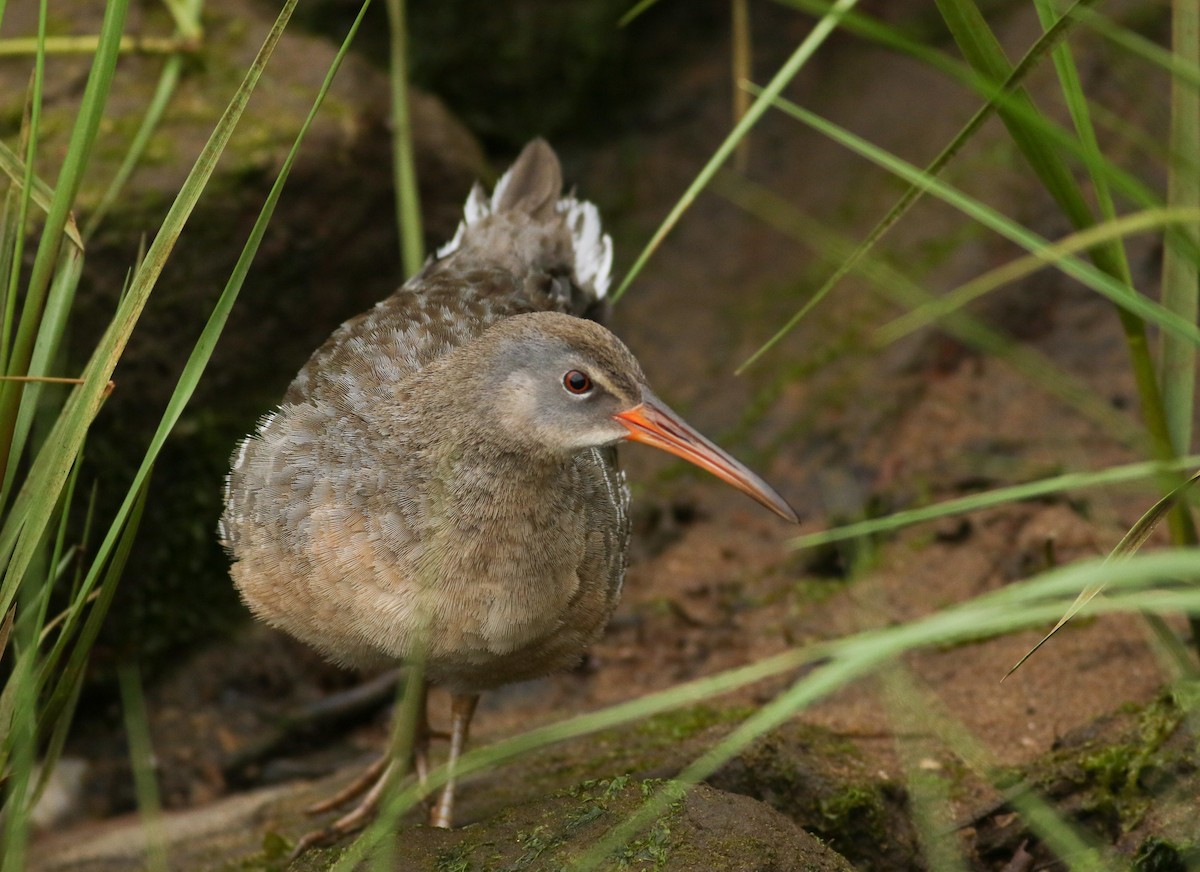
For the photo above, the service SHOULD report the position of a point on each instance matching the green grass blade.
(1059, 833)
(186, 15)
(45, 352)
(1070, 481)
(982, 50)
(9, 229)
(1139, 46)
(1180, 283)
(853, 657)
(86, 45)
(202, 351)
(741, 66)
(866, 26)
(408, 196)
(58, 690)
(21, 172)
(634, 11)
(57, 567)
(408, 709)
(57, 739)
(849, 660)
(1127, 547)
(1077, 104)
(514, 747)
(930, 790)
(997, 95)
(18, 710)
(1015, 606)
(30, 124)
(24, 524)
(786, 73)
(79, 148)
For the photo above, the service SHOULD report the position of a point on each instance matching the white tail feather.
(592, 246)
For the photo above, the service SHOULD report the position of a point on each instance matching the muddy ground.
(841, 427)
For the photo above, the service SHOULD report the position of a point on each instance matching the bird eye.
(577, 382)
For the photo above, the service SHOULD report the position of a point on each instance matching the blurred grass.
(408, 198)
(141, 753)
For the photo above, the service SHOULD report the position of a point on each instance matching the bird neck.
(467, 443)
(487, 458)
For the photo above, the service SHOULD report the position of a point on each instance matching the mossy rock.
(1128, 779)
(823, 782)
(699, 831)
(702, 830)
(331, 251)
(557, 788)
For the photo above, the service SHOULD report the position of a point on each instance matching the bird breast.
(493, 568)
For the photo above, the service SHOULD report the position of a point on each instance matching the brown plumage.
(441, 478)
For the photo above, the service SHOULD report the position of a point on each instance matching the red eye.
(577, 382)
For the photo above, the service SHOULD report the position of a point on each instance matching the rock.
(1127, 779)
(522, 68)
(61, 801)
(194, 839)
(707, 829)
(822, 782)
(260, 821)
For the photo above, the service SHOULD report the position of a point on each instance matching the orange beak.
(654, 424)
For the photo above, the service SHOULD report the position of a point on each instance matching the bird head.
(568, 384)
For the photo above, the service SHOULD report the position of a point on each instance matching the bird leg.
(370, 785)
(462, 708)
(421, 740)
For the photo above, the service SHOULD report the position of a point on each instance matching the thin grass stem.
(408, 195)
(87, 45)
(141, 756)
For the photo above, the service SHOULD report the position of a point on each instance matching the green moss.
(1160, 855)
(1113, 774)
(1118, 774)
(821, 781)
(684, 723)
(855, 799)
(601, 802)
(272, 857)
(457, 859)
(652, 849)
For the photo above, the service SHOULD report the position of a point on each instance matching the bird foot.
(353, 790)
(372, 782)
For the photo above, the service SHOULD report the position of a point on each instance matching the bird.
(440, 480)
